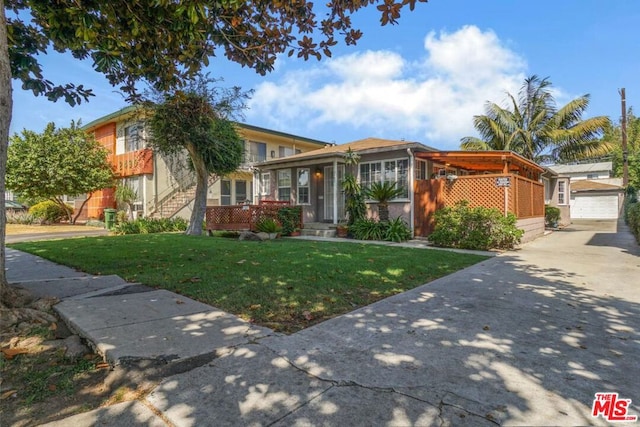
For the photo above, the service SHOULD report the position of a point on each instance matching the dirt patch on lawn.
(17, 229)
(47, 373)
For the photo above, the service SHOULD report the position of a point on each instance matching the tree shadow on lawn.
(479, 347)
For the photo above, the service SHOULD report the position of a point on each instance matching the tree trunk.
(67, 210)
(200, 202)
(383, 211)
(6, 107)
(75, 218)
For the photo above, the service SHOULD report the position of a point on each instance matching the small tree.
(57, 163)
(613, 138)
(197, 121)
(383, 193)
(355, 205)
(126, 196)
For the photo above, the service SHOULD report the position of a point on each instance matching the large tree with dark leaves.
(160, 42)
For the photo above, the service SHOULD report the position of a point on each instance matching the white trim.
(264, 190)
(230, 195)
(411, 173)
(308, 186)
(335, 191)
(278, 184)
(565, 192)
(381, 176)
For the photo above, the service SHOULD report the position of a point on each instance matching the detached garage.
(595, 200)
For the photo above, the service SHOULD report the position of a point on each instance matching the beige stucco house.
(165, 187)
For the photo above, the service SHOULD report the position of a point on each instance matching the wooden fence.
(507, 193)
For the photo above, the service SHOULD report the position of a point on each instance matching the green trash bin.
(109, 219)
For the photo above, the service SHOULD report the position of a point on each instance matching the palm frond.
(471, 143)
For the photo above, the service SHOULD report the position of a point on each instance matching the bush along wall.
(151, 225)
(632, 212)
(289, 218)
(461, 226)
(395, 230)
(48, 212)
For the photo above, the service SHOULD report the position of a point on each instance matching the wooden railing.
(243, 217)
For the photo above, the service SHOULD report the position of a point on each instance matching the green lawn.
(283, 284)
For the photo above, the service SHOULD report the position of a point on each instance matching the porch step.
(317, 232)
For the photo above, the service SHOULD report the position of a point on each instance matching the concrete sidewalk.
(127, 322)
(525, 338)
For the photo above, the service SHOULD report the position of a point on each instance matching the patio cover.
(486, 161)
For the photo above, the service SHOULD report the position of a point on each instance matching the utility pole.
(623, 127)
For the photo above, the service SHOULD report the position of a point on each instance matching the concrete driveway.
(525, 338)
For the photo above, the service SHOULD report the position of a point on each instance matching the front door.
(328, 193)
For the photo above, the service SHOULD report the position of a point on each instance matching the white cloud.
(431, 98)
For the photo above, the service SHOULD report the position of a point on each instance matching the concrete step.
(318, 233)
(157, 325)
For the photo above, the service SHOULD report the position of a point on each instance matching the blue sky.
(421, 80)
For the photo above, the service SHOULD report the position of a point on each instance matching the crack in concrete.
(350, 383)
(441, 404)
(302, 405)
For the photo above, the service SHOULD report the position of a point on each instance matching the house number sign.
(503, 181)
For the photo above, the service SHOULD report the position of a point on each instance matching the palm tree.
(533, 127)
(383, 192)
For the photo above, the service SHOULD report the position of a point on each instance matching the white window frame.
(284, 151)
(252, 151)
(307, 187)
(135, 137)
(136, 183)
(371, 177)
(422, 172)
(384, 172)
(281, 177)
(562, 192)
(265, 183)
(246, 191)
(222, 195)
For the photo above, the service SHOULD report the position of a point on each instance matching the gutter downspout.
(411, 191)
(335, 191)
(155, 183)
(255, 186)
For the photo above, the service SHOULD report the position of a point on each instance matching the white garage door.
(594, 207)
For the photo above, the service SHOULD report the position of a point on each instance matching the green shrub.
(289, 218)
(632, 194)
(475, 228)
(151, 225)
(395, 230)
(632, 218)
(268, 225)
(551, 215)
(367, 229)
(121, 216)
(48, 212)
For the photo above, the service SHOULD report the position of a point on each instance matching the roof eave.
(126, 111)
